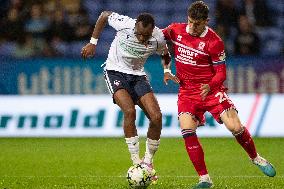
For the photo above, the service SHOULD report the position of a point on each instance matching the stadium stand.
(19, 18)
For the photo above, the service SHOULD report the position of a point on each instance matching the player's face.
(196, 27)
(143, 34)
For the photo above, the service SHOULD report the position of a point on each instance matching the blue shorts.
(136, 85)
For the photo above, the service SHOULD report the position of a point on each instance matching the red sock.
(195, 151)
(245, 140)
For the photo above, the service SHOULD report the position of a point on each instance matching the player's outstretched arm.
(217, 80)
(89, 49)
(219, 77)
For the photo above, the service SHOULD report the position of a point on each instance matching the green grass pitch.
(71, 163)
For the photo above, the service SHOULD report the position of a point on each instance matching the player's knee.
(156, 118)
(156, 121)
(130, 113)
(237, 130)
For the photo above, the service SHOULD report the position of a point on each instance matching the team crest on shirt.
(201, 46)
(179, 37)
(116, 82)
(222, 55)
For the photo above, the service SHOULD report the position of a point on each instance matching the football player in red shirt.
(201, 71)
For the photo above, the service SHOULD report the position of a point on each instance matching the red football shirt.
(199, 60)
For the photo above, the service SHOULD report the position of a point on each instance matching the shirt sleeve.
(217, 52)
(119, 22)
(219, 77)
(161, 42)
(167, 32)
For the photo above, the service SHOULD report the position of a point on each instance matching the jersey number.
(222, 97)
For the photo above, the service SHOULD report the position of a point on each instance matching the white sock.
(205, 178)
(133, 147)
(151, 148)
(259, 160)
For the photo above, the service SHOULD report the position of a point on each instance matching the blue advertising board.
(77, 76)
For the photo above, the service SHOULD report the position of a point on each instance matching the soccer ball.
(139, 176)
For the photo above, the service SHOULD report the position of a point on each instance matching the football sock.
(195, 151)
(205, 178)
(245, 140)
(133, 147)
(151, 148)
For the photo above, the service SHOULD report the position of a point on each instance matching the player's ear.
(207, 20)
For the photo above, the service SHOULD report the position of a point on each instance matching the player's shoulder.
(158, 34)
(215, 43)
(177, 25)
(175, 28)
(121, 19)
(214, 37)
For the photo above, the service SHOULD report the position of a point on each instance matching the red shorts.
(216, 103)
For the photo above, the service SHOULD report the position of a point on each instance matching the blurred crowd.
(59, 28)
(42, 28)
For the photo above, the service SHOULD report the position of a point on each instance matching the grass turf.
(71, 163)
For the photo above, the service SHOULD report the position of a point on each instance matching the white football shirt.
(126, 54)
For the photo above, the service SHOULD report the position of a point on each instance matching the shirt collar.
(203, 33)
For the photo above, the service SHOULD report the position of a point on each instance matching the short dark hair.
(198, 11)
(146, 19)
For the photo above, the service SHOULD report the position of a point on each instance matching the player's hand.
(88, 50)
(170, 76)
(205, 88)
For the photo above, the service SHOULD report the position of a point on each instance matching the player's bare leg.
(125, 102)
(151, 108)
(194, 149)
(242, 135)
(149, 104)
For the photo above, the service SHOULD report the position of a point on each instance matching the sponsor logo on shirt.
(187, 52)
(132, 50)
(186, 56)
(179, 37)
(116, 82)
(222, 55)
(201, 46)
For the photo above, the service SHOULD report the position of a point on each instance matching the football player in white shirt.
(135, 40)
